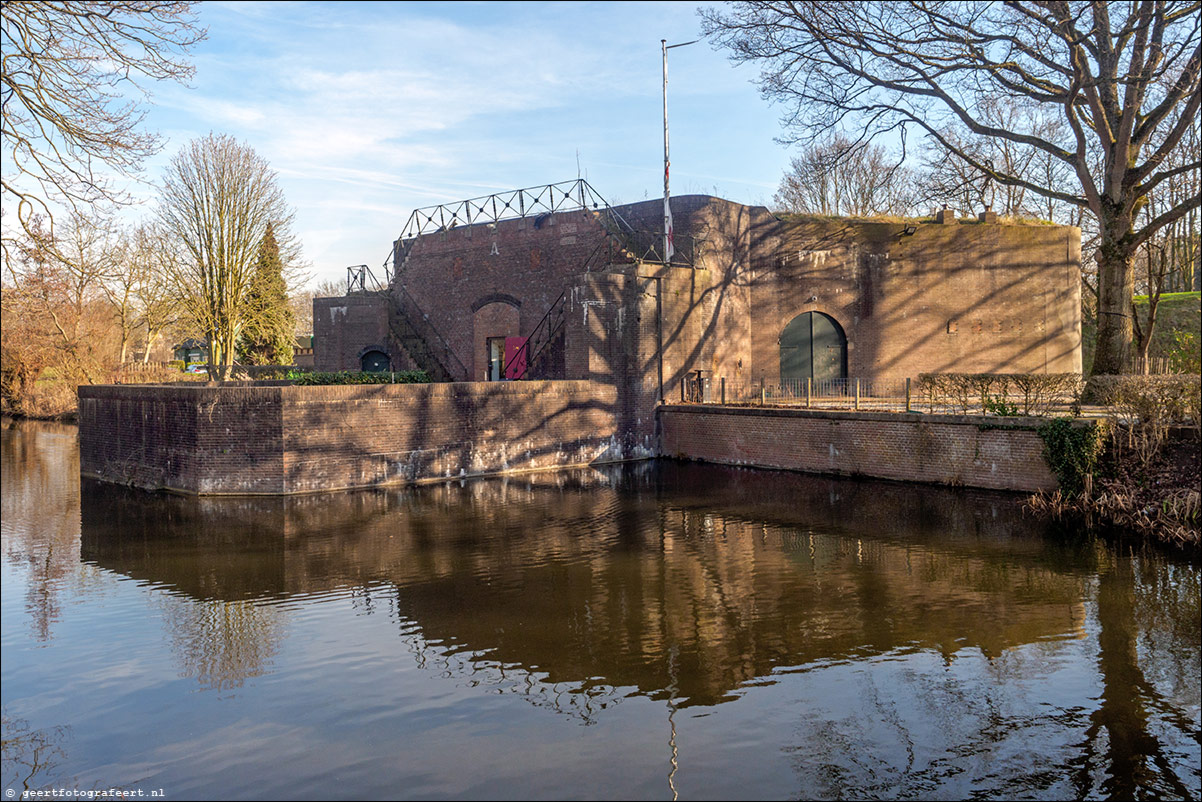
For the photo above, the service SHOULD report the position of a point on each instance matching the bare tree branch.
(218, 199)
(69, 124)
(1122, 77)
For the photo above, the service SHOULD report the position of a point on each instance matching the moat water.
(651, 632)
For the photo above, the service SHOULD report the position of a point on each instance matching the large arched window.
(813, 346)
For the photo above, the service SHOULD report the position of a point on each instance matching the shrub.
(991, 392)
(1185, 356)
(946, 388)
(1071, 449)
(260, 372)
(1151, 400)
(1042, 391)
(1143, 407)
(17, 380)
(358, 377)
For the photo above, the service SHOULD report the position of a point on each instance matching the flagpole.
(663, 44)
(668, 244)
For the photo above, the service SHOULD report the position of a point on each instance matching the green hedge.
(359, 377)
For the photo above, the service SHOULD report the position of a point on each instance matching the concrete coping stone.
(1024, 422)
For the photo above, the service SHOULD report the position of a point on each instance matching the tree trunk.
(1116, 288)
(150, 338)
(221, 356)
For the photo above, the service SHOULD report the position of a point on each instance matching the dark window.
(374, 362)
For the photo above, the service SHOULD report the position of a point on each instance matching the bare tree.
(957, 182)
(157, 302)
(1168, 260)
(138, 289)
(118, 285)
(1123, 77)
(848, 178)
(54, 309)
(218, 198)
(69, 68)
(302, 303)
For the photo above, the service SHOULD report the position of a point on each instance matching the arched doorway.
(813, 346)
(375, 362)
(495, 323)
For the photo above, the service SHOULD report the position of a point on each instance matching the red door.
(515, 347)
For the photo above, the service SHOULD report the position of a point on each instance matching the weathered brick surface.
(365, 435)
(200, 438)
(523, 265)
(344, 327)
(953, 450)
(964, 296)
(285, 439)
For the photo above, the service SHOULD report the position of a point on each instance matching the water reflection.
(1121, 733)
(590, 581)
(40, 463)
(716, 631)
(29, 757)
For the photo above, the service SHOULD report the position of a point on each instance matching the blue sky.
(369, 110)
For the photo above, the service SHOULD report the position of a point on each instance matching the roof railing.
(565, 196)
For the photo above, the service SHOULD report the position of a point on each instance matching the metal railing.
(625, 242)
(425, 330)
(565, 196)
(875, 394)
(360, 278)
(647, 246)
(547, 199)
(863, 394)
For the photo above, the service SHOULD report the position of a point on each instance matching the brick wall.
(344, 326)
(914, 448)
(286, 439)
(199, 438)
(523, 263)
(964, 297)
(356, 436)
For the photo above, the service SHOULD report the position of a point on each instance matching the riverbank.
(1154, 490)
(54, 398)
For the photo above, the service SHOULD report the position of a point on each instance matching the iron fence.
(875, 394)
(536, 202)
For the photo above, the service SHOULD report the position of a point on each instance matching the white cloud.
(367, 111)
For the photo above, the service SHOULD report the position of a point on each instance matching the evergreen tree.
(268, 337)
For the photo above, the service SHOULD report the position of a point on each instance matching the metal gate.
(813, 346)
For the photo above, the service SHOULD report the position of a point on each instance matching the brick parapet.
(956, 450)
(214, 439)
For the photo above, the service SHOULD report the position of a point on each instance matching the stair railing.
(439, 348)
(541, 338)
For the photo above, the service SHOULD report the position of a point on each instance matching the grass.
(1177, 311)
